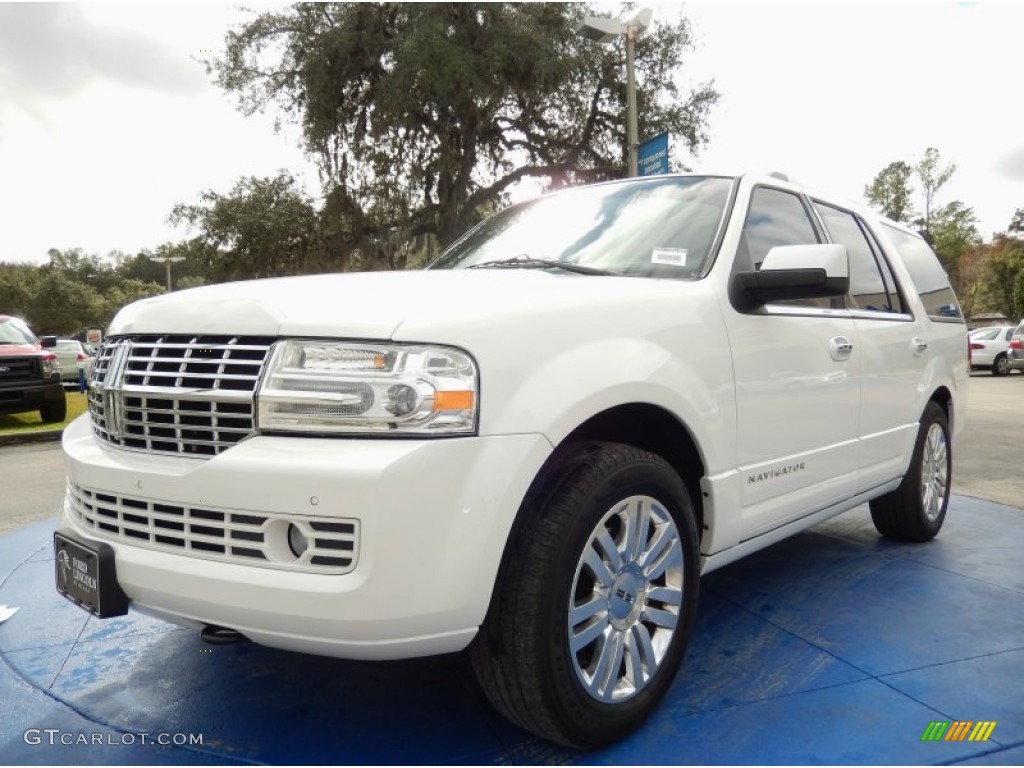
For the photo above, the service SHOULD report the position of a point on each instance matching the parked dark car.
(29, 373)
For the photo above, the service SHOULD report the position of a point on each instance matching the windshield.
(661, 227)
(13, 331)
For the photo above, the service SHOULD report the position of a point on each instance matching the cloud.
(53, 51)
(1011, 165)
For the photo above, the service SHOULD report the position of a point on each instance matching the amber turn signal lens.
(453, 401)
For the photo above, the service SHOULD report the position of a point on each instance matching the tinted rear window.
(929, 278)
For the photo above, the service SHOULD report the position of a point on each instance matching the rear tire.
(916, 510)
(595, 597)
(1000, 366)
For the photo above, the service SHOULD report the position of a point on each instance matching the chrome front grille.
(251, 538)
(178, 394)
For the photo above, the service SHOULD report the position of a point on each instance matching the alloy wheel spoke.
(672, 555)
(635, 672)
(611, 552)
(645, 648)
(637, 529)
(662, 539)
(608, 663)
(589, 634)
(583, 612)
(598, 567)
(666, 595)
(927, 502)
(665, 619)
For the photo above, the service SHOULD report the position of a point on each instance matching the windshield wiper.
(528, 262)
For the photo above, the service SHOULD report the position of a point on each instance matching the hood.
(369, 305)
(20, 350)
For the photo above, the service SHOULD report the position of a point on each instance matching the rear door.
(892, 354)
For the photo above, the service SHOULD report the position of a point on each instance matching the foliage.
(953, 232)
(262, 228)
(1018, 296)
(1017, 222)
(1002, 275)
(933, 177)
(890, 192)
(72, 292)
(18, 287)
(421, 116)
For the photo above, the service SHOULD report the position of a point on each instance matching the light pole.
(167, 262)
(602, 29)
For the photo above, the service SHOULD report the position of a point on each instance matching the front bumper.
(433, 518)
(29, 397)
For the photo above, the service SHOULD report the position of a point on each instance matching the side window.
(896, 300)
(776, 218)
(869, 287)
(929, 278)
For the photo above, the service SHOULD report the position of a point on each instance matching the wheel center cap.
(625, 598)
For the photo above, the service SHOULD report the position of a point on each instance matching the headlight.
(328, 386)
(51, 367)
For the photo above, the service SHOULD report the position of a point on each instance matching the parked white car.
(989, 348)
(533, 448)
(73, 357)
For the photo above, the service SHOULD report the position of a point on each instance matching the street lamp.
(602, 29)
(167, 262)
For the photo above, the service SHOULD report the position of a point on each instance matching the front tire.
(916, 510)
(595, 597)
(56, 412)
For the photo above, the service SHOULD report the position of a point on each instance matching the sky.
(107, 120)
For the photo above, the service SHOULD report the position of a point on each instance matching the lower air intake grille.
(238, 537)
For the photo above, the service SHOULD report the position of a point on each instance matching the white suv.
(533, 448)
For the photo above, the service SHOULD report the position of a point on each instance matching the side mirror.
(794, 272)
(48, 342)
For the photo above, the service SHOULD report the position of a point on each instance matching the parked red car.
(29, 373)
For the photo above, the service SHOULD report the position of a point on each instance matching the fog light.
(297, 541)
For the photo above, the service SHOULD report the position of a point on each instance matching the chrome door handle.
(918, 345)
(840, 348)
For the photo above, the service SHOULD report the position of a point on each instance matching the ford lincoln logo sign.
(4, 368)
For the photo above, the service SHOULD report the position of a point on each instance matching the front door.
(797, 370)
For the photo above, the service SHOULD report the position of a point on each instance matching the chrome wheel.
(934, 472)
(626, 598)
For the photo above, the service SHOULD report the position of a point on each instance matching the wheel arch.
(944, 399)
(650, 428)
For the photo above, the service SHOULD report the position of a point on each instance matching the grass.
(13, 423)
